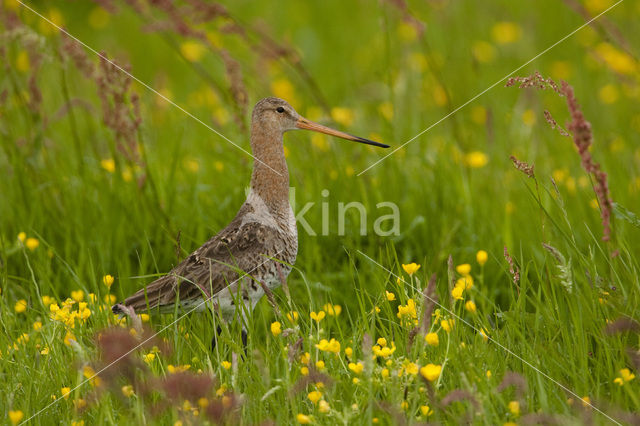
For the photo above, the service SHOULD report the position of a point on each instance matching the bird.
(256, 251)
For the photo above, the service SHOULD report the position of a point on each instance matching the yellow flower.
(15, 416)
(482, 257)
(110, 299)
(440, 95)
(20, 306)
(476, 159)
(37, 326)
(333, 310)
(489, 374)
(282, 88)
(45, 351)
(348, 352)
(431, 371)
(32, 243)
(65, 392)
(108, 280)
(79, 404)
(276, 328)
(314, 396)
(318, 316)
(382, 342)
(586, 401)
(68, 338)
(203, 402)
(355, 380)
(193, 51)
(626, 375)
(432, 339)
(484, 334)
(506, 32)
(305, 358)
(465, 282)
(456, 293)
(514, 408)
(384, 373)
(77, 295)
(411, 368)
(148, 358)
(127, 391)
(384, 352)
(608, 94)
(226, 365)
(411, 268)
(293, 316)
(304, 371)
(144, 317)
(22, 61)
(483, 51)
(344, 116)
(108, 164)
(303, 419)
(447, 325)
(98, 18)
(426, 411)
(323, 406)
(386, 110)
(404, 405)
(615, 59)
(329, 346)
(22, 237)
(409, 309)
(463, 269)
(390, 296)
(89, 373)
(320, 365)
(356, 368)
(178, 368)
(470, 306)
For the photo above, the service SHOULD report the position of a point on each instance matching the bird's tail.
(155, 295)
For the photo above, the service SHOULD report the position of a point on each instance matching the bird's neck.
(270, 178)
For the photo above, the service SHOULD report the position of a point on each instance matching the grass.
(109, 199)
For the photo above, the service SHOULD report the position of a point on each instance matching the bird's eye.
(280, 110)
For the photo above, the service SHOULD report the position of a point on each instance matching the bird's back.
(256, 245)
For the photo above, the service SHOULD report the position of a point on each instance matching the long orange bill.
(303, 123)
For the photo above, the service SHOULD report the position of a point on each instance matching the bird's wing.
(237, 250)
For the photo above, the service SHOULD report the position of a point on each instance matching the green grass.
(90, 221)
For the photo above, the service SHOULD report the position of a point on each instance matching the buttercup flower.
(314, 396)
(303, 419)
(432, 339)
(431, 371)
(482, 257)
(276, 328)
(329, 346)
(15, 416)
(356, 368)
(456, 293)
(317, 316)
(514, 408)
(127, 390)
(20, 306)
(470, 306)
(108, 280)
(625, 376)
(323, 406)
(32, 243)
(332, 310)
(411, 268)
(463, 269)
(390, 296)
